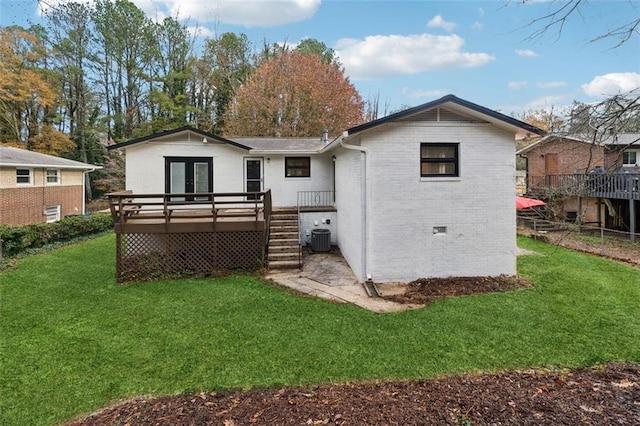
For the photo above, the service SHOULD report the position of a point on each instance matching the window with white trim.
(53, 176)
(52, 213)
(24, 176)
(439, 160)
(631, 158)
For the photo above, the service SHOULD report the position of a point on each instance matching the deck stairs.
(284, 244)
(535, 218)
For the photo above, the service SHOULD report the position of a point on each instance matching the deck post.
(632, 221)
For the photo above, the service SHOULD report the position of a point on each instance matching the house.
(426, 192)
(596, 182)
(36, 187)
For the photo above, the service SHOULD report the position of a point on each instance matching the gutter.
(367, 209)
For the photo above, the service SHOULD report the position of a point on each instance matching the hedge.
(17, 239)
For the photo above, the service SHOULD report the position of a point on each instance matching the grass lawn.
(73, 341)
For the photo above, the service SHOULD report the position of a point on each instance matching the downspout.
(367, 210)
(84, 188)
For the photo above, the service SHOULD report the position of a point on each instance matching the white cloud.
(201, 32)
(612, 84)
(422, 94)
(380, 56)
(248, 13)
(527, 53)
(515, 85)
(481, 11)
(550, 84)
(438, 22)
(477, 25)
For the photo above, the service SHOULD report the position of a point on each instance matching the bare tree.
(561, 12)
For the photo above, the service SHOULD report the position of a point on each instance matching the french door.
(188, 175)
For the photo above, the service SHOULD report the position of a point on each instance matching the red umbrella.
(524, 202)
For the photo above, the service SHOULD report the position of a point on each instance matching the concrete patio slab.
(328, 276)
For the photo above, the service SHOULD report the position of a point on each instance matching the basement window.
(297, 167)
(439, 159)
(52, 213)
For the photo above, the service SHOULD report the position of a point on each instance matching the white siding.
(478, 208)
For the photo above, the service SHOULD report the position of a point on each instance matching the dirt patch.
(426, 290)
(603, 395)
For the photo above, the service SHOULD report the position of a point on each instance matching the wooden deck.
(176, 234)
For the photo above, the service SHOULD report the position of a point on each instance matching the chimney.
(325, 136)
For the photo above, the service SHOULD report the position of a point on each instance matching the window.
(23, 177)
(52, 213)
(53, 176)
(631, 158)
(439, 159)
(297, 166)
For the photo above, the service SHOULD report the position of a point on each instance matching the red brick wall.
(24, 205)
(571, 156)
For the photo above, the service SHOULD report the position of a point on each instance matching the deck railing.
(129, 208)
(625, 186)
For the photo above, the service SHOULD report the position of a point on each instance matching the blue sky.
(411, 52)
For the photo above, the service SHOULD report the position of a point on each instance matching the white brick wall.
(350, 206)
(477, 208)
(284, 191)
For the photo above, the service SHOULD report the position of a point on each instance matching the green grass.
(73, 341)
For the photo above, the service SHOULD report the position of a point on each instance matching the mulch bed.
(603, 395)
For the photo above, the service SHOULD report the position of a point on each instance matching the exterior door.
(253, 175)
(188, 175)
(551, 169)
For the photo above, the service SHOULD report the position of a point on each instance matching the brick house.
(36, 187)
(404, 197)
(597, 181)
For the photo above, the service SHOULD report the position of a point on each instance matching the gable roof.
(16, 157)
(200, 133)
(457, 105)
(618, 139)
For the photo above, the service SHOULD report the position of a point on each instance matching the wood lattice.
(148, 256)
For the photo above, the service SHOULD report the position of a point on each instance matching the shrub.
(17, 239)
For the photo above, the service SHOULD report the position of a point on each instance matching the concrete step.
(279, 257)
(283, 241)
(284, 228)
(283, 264)
(279, 222)
(289, 248)
(283, 236)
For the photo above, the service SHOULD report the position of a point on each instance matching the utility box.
(320, 239)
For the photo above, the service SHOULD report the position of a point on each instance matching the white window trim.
(30, 183)
(637, 163)
(58, 177)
